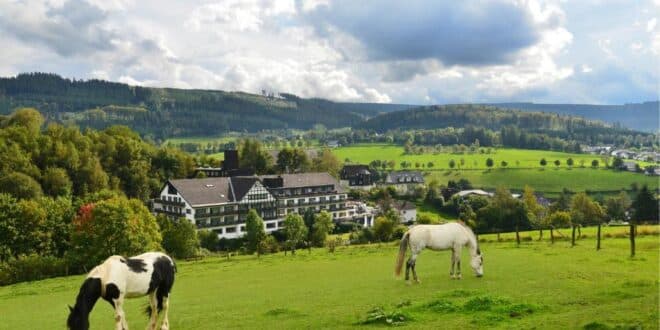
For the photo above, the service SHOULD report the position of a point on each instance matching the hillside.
(638, 116)
(166, 112)
(170, 112)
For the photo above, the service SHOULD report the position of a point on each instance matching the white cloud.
(271, 44)
(650, 25)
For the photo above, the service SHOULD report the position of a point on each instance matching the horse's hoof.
(418, 281)
(408, 283)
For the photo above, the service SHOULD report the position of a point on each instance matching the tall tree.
(179, 237)
(253, 155)
(20, 185)
(558, 219)
(323, 225)
(535, 212)
(645, 206)
(585, 211)
(326, 161)
(294, 230)
(115, 226)
(255, 232)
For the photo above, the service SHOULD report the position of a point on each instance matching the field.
(523, 168)
(537, 285)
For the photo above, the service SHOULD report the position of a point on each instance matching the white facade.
(227, 219)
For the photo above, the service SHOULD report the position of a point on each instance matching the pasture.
(523, 168)
(536, 285)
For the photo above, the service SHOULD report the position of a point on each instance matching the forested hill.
(515, 126)
(166, 112)
(639, 116)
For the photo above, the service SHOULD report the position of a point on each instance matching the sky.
(415, 52)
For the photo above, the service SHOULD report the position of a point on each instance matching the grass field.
(537, 285)
(516, 158)
(523, 169)
(550, 181)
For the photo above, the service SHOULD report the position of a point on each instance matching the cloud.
(73, 28)
(454, 33)
(650, 25)
(237, 15)
(414, 52)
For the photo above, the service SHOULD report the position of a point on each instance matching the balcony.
(166, 202)
(170, 213)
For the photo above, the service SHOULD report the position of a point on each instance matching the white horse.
(151, 273)
(453, 235)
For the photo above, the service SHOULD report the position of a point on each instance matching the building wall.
(227, 219)
(408, 215)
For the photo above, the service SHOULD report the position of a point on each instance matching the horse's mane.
(473, 237)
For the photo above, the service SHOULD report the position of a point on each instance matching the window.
(218, 231)
(242, 228)
(270, 225)
(230, 230)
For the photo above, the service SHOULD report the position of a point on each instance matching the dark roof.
(203, 191)
(219, 190)
(404, 177)
(353, 170)
(403, 205)
(241, 185)
(305, 180)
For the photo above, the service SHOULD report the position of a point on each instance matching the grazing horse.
(453, 235)
(151, 273)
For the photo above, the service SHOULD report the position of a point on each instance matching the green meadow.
(537, 285)
(522, 168)
(515, 158)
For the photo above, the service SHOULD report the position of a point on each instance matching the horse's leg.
(408, 265)
(414, 271)
(453, 260)
(458, 262)
(166, 307)
(120, 317)
(153, 317)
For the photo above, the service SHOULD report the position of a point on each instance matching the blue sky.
(422, 52)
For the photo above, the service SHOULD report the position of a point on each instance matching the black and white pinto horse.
(151, 273)
(453, 235)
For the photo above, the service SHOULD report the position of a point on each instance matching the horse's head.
(77, 320)
(477, 264)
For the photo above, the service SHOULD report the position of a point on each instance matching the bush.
(208, 240)
(332, 244)
(424, 219)
(179, 237)
(226, 244)
(363, 236)
(399, 231)
(346, 227)
(32, 268)
(270, 245)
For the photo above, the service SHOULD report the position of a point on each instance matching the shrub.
(332, 244)
(270, 245)
(399, 231)
(32, 267)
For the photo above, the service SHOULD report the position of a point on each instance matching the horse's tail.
(402, 253)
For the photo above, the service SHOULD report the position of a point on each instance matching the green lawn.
(537, 285)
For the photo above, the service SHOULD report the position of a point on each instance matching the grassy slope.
(565, 288)
(529, 171)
